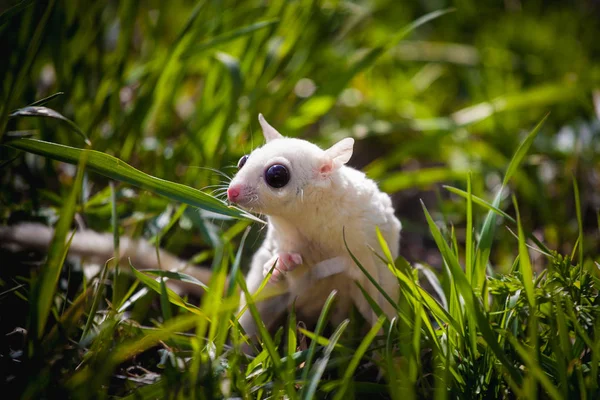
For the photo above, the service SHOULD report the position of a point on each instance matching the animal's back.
(372, 208)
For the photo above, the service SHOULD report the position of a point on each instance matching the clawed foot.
(286, 262)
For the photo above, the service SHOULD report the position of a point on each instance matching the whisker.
(213, 170)
(219, 186)
(222, 195)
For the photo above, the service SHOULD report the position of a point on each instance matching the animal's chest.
(314, 246)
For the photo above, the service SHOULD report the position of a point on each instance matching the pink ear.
(335, 157)
(326, 167)
(340, 152)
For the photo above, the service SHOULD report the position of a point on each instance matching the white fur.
(308, 216)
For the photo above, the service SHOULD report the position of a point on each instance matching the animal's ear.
(269, 132)
(337, 155)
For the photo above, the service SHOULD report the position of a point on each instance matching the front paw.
(284, 262)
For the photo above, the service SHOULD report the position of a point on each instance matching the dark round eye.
(277, 176)
(242, 161)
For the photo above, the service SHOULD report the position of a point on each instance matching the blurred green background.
(175, 87)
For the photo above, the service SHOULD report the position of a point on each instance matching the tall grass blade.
(14, 10)
(46, 100)
(521, 152)
(114, 219)
(310, 389)
(179, 276)
(489, 225)
(46, 284)
(114, 168)
(368, 275)
(18, 82)
(358, 354)
(527, 277)
(393, 373)
(579, 224)
(469, 233)
(172, 296)
(228, 37)
(323, 317)
(479, 201)
(534, 369)
(164, 300)
(525, 262)
(235, 268)
(267, 340)
(292, 339)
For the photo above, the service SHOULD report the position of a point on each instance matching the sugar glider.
(311, 199)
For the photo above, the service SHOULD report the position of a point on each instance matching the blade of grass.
(14, 10)
(527, 278)
(98, 294)
(227, 37)
(236, 264)
(311, 388)
(46, 285)
(580, 227)
(17, 84)
(469, 233)
(262, 330)
(367, 274)
(525, 262)
(534, 369)
(164, 300)
(173, 297)
(392, 371)
(522, 151)
(45, 112)
(313, 345)
(479, 201)
(125, 351)
(114, 219)
(172, 221)
(69, 319)
(358, 354)
(46, 100)
(114, 168)
(292, 339)
(178, 276)
(489, 225)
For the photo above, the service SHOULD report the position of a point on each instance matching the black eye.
(277, 176)
(242, 161)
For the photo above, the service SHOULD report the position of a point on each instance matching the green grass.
(115, 116)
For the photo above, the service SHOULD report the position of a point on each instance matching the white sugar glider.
(311, 198)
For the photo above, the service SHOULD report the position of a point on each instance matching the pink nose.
(233, 192)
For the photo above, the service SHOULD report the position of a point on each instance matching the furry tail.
(99, 248)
